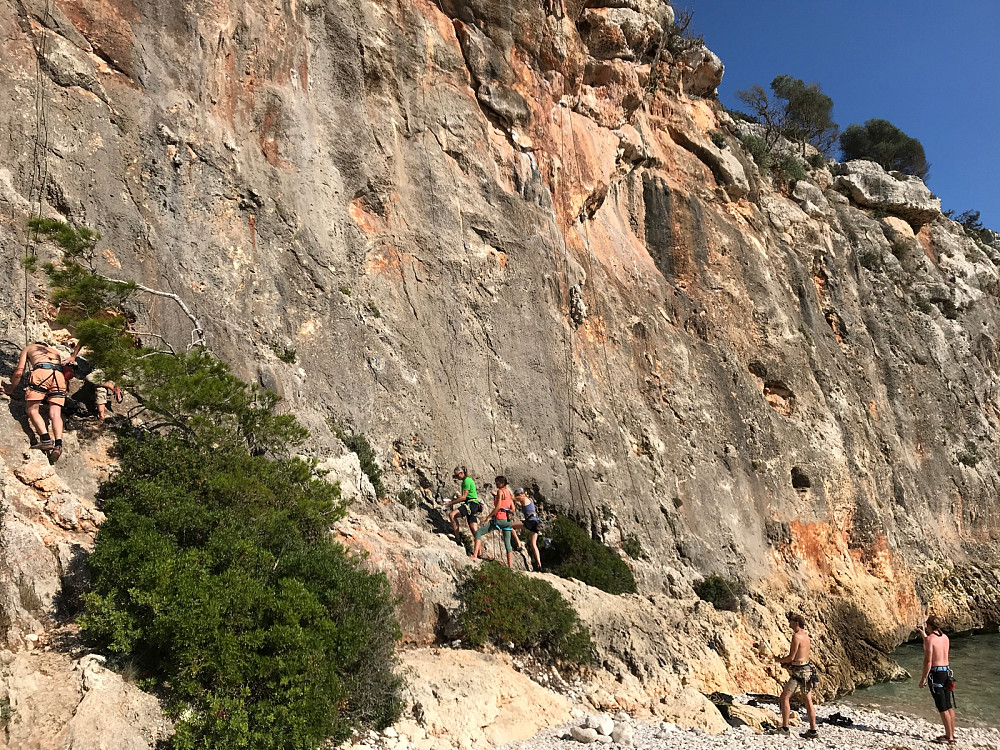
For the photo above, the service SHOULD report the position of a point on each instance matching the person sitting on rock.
(938, 676)
(46, 384)
(468, 505)
(501, 519)
(802, 676)
(524, 500)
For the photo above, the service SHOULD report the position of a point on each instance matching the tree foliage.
(882, 142)
(795, 110)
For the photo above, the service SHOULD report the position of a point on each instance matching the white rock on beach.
(585, 735)
(623, 734)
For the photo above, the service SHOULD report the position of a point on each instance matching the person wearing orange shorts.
(46, 385)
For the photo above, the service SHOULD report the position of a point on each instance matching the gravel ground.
(871, 729)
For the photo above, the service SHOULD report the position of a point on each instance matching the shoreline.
(871, 729)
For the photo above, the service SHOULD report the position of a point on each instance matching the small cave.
(800, 480)
(780, 397)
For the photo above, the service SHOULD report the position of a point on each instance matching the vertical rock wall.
(502, 234)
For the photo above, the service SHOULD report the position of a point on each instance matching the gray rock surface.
(754, 391)
(706, 71)
(57, 703)
(905, 196)
(586, 735)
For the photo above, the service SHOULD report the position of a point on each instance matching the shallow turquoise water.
(976, 661)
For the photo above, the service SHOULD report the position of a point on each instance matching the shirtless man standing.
(46, 383)
(939, 676)
(802, 676)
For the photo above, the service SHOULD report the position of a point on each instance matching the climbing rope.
(39, 173)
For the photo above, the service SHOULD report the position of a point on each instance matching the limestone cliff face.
(502, 234)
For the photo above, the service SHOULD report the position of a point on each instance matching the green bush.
(285, 354)
(215, 573)
(572, 553)
(501, 606)
(816, 161)
(882, 142)
(358, 444)
(758, 149)
(792, 167)
(798, 111)
(721, 592)
(632, 547)
(718, 138)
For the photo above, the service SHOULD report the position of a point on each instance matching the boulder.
(473, 700)
(810, 198)
(585, 735)
(905, 196)
(60, 703)
(603, 723)
(755, 717)
(658, 10)
(896, 229)
(706, 71)
(623, 734)
(622, 33)
(346, 471)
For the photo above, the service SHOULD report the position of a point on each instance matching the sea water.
(975, 660)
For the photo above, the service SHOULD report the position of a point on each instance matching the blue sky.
(930, 68)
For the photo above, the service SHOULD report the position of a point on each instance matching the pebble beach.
(870, 729)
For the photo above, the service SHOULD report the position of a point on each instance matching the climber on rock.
(46, 384)
(526, 503)
(556, 8)
(802, 677)
(501, 519)
(467, 504)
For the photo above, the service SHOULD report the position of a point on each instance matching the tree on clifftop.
(882, 142)
(799, 111)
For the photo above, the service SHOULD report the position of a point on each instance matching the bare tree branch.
(197, 335)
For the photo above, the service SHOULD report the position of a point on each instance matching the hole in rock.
(800, 480)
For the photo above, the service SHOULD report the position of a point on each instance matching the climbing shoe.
(55, 453)
(811, 734)
(44, 445)
(779, 731)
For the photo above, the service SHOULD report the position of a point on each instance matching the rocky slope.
(504, 235)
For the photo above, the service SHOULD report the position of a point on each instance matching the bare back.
(936, 647)
(801, 646)
(38, 353)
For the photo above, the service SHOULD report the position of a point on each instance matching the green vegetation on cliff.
(573, 553)
(215, 572)
(795, 110)
(882, 142)
(501, 606)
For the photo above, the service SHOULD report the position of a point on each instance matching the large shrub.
(882, 142)
(215, 574)
(573, 553)
(501, 606)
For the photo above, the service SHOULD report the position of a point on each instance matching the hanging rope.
(39, 173)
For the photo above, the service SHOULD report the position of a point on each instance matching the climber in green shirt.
(467, 504)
